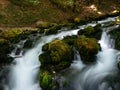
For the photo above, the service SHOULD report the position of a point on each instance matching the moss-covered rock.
(92, 32)
(56, 54)
(87, 47)
(47, 81)
(52, 30)
(7, 39)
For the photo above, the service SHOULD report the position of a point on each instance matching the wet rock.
(57, 55)
(87, 47)
(92, 32)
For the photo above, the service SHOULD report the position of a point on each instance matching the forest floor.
(17, 15)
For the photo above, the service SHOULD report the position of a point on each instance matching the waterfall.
(94, 77)
(24, 70)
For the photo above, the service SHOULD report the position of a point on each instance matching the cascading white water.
(92, 77)
(25, 68)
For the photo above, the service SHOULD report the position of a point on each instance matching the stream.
(24, 70)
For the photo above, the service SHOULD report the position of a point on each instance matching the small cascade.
(93, 77)
(24, 70)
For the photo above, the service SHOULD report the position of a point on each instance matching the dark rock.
(92, 32)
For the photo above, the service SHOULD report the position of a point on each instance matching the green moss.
(55, 53)
(46, 80)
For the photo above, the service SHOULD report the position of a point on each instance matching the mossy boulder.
(87, 47)
(56, 55)
(92, 32)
